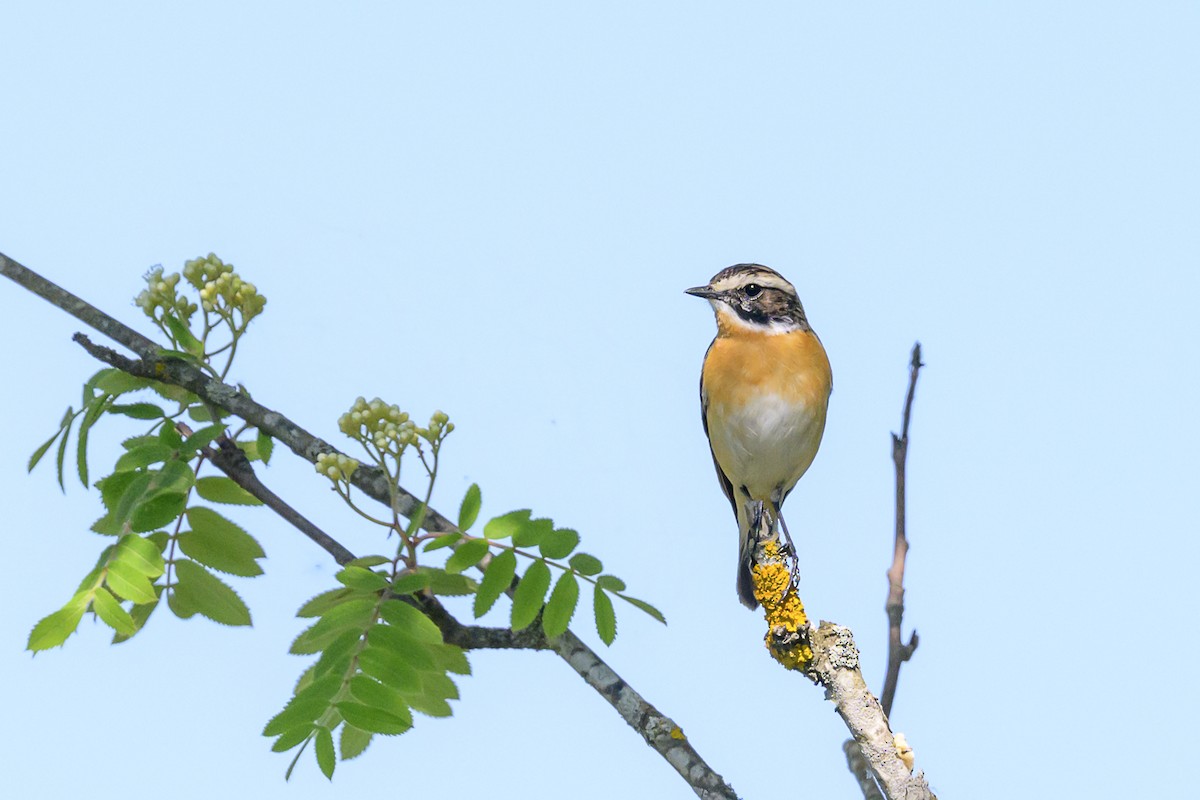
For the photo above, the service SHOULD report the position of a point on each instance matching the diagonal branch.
(229, 458)
(898, 651)
(659, 731)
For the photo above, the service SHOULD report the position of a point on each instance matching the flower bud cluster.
(160, 293)
(376, 422)
(336, 467)
(221, 289)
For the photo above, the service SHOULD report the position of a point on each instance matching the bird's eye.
(752, 290)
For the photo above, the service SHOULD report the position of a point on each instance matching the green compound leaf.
(169, 435)
(451, 658)
(559, 543)
(413, 581)
(41, 451)
(405, 618)
(156, 510)
(467, 555)
(323, 602)
(644, 606)
(361, 579)
(198, 588)
(200, 413)
(372, 720)
(93, 412)
(530, 593)
(115, 382)
(184, 337)
(265, 447)
(389, 668)
(561, 605)
(203, 437)
(289, 739)
(143, 456)
(54, 629)
(610, 583)
(109, 610)
(505, 526)
(62, 452)
(436, 689)
(496, 578)
(221, 544)
(353, 614)
(140, 554)
(139, 410)
(354, 742)
(468, 512)
(326, 757)
(304, 708)
(586, 564)
(372, 693)
(140, 614)
(337, 656)
(533, 532)
(219, 489)
(606, 618)
(441, 582)
(444, 540)
(416, 653)
(369, 561)
(128, 582)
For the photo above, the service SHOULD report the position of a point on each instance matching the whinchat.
(764, 392)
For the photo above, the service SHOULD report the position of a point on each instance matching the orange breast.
(743, 364)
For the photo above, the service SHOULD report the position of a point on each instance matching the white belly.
(767, 444)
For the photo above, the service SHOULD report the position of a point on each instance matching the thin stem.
(898, 651)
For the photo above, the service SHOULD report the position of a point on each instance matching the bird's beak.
(701, 291)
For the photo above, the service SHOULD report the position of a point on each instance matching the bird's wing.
(722, 478)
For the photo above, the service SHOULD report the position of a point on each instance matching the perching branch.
(659, 731)
(835, 666)
(898, 651)
(827, 655)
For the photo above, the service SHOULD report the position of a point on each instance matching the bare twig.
(659, 731)
(860, 768)
(898, 651)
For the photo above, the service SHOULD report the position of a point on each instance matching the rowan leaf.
(326, 757)
(561, 605)
(496, 578)
(209, 595)
(529, 595)
(606, 618)
(219, 489)
(468, 554)
(559, 543)
(503, 527)
(220, 543)
(586, 564)
(468, 512)
(110, 611)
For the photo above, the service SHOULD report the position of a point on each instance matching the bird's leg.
(787, 536)
(789, 544)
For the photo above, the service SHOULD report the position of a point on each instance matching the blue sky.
(493, 209)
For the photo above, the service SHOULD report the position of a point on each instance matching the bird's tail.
(749, 518)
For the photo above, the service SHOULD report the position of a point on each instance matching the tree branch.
(659, 731)
(835, 666)
(230, 459)
(898, 651)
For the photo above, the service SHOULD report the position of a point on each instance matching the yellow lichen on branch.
(787, 624)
